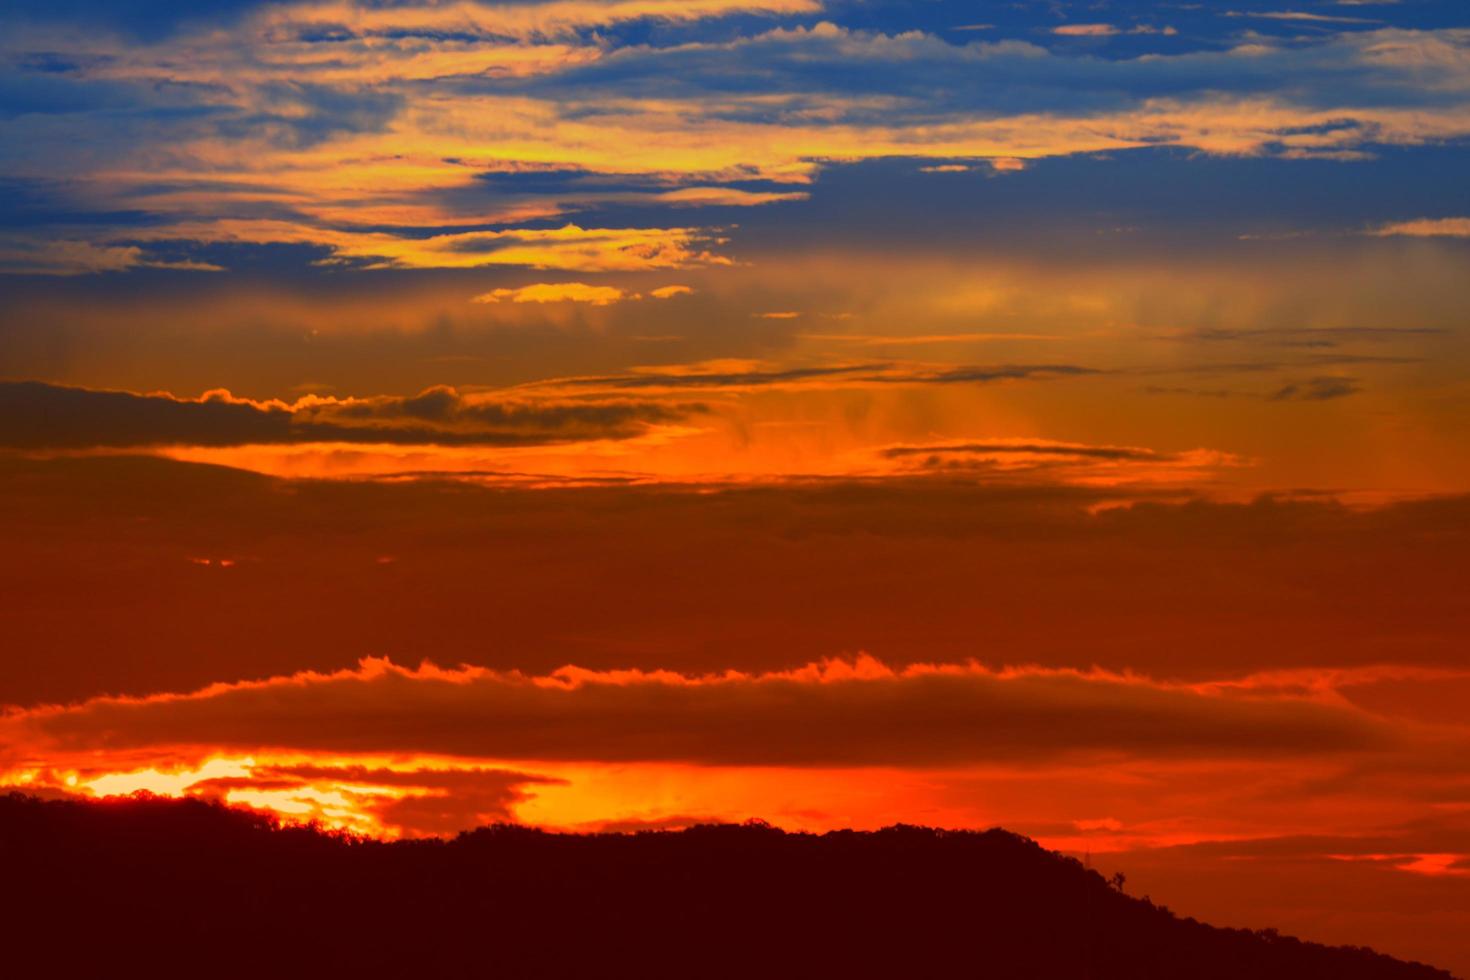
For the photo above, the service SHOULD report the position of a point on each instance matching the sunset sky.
(630, 413)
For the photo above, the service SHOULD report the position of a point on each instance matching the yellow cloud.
(557, 292)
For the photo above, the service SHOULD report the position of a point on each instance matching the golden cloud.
(557, 292)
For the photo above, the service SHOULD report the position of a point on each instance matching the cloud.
(1317, 390)
(746, 375)
(569, 247)
(366, 130)
(380, 797)
(575, 292)
(35, 415)
(904, 340)
(1085, 30)
(413, 800)
(1302, 362)
(1117, 453)
(491, 22)
(1427, 228)
(22, 256)
(559, 292)
(1300, 15)
(1309, 337)
(728, 197)
(1069, 462)
(832, 713)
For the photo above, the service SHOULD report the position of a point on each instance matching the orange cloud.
(1427, 228)
(574, 292)
(557, 292)
(1085, 30)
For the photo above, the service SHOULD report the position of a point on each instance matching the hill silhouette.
(177, 887)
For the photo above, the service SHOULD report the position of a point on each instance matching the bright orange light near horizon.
(242, 781)
(174, 782)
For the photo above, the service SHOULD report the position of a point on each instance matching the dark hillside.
(188, 888)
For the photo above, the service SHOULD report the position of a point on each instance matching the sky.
(625, 414)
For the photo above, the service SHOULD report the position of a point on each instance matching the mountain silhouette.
(151, 886)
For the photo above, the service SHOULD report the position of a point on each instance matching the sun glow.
(164, 783)
(260, 782)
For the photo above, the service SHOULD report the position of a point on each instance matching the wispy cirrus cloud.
(1320, 389)
(1305, 16)
(739, 375)
(1308, 337)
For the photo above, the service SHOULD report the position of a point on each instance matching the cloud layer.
(829, 714)
(426, 135)
(42, 416)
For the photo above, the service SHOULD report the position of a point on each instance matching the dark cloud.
(39, 416)
(834, 715)
(1118, 453)
(1265, 366)
(1312, 337)
(300, 115)
(1317, 390)
(878, 373)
